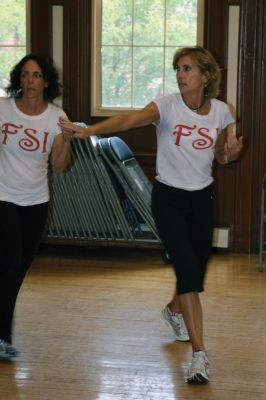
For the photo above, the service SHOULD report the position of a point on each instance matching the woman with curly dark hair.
(49, 74)
(30, 136)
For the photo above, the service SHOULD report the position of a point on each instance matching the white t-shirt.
(186, 140)
(25, 145)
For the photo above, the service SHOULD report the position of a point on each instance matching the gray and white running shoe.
(177, 323)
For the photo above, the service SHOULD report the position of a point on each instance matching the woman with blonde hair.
(191, 128)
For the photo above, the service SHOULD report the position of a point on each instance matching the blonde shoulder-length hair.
(207, 65)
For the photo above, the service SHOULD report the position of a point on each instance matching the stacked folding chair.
(103, 196)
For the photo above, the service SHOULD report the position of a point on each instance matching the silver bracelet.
(226, 161)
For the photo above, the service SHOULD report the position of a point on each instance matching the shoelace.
(182, 325)
(178, 320)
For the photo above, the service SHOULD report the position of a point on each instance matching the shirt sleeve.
(227, 117)
(162, 103)
(61, 113)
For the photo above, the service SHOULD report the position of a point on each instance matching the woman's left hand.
(66, 133)
(233, 147)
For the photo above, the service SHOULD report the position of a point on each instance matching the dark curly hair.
(49, 72)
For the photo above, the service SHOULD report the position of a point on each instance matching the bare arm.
(61, 152)
(228, 147)
(118, 123)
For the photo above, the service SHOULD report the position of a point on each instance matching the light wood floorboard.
(88, 327)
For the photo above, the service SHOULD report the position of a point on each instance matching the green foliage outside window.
(12, 37)
(139, 38)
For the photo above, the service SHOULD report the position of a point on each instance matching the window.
(13, 43)
(134, 42)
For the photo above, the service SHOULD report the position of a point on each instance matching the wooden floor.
(88, 327)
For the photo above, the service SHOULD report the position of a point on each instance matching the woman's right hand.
(74, 130)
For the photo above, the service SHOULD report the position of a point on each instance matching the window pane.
(117, 22)
(149, 22)
(181, 22)
(116, 76)
(138, 40)
(12, 37)
(9, 56)
(170, 75)
(13, 23)
(148, 75)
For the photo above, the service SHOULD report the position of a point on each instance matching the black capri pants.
(184, 220)
(21, 229)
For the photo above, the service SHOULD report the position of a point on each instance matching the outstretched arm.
(118, 123)
(228, 147)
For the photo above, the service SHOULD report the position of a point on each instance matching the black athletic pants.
(21, 230)
(184, 220)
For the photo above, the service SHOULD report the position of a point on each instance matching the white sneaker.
(198, 372)
(177, 323)
(7, 351)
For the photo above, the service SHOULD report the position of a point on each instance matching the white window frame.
(96, 108)
(28, 20)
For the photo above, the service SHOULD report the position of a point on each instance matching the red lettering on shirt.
(203, 142)
(182, 130)
(204, 138)
(29, 143)
(46, 134)
(9, 129)
(30, 139)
